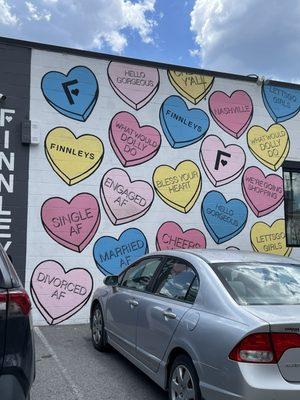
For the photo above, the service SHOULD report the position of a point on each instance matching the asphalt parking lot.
(69, 368)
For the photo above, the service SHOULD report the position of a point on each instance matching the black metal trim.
(289, 165)
(112, 57)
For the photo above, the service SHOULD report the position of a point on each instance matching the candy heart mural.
(134, 84)
(178, 187)
(182, 126)
(73, 95)
(124, 200)
(232, 113)
(281, 102)
(171, 236)
(72, 158)
(112, 255)
(73, 223)
(270, 146)
(270, 239)
(221, 163)
(132, 143)
(58, 294)
(263, 193)
(224, 219)
(191, 86)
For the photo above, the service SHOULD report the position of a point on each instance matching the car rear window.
(261, 283)
(13, 276)
(1, 279)
(3, 273)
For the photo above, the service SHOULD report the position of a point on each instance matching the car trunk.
(283, 319)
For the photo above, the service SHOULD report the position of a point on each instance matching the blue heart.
(73, 95)
(223, 219)
(112, 255)
(281, 102)
(182, 126)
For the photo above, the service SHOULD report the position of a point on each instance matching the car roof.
(214, 256)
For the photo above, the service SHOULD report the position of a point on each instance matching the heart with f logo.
(73, 95)
(222, 164)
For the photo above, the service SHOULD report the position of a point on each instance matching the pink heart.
(59, 294)
(221, 163)
(124, 200)
(132, 143)
(263, 193)
(135, 84)
(171, 236)
(72, 224)
(232, 113)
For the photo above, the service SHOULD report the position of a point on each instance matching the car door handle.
(169, 314)
(133, 303)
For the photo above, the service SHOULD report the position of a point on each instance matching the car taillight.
(3, 300)
(284, 341)
(264, 348)
(255, 348)
(18, 300)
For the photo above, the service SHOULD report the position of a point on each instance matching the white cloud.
(80, 23)
(195, 52)
(7, 17)
(36, 14)
(249, 36)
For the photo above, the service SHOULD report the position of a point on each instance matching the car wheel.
(99, 338)
(183, 380)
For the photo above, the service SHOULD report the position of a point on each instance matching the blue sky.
(172, 36)
(247, 37)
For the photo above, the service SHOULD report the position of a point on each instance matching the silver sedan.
(207, 324)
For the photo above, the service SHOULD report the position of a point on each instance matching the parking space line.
(75, 389)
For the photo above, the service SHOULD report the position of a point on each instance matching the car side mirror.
(111, 280)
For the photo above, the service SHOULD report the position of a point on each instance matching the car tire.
(99, 337)
(183, 380)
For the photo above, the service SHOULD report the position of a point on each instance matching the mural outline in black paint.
(64, 111)
(57, 170)
(128, 101)
(115, 147)
(95, 226)
(226, 179)
(105, 270)
(226, 129)
(186, 207)
(131, 217)
(40, 306)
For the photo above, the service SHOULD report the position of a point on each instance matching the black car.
(17, 359)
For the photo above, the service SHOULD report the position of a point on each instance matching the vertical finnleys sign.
(14, 154)
(7, 168)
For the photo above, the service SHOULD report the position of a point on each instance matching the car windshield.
(261, 283)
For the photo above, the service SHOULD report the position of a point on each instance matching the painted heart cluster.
(189, 118)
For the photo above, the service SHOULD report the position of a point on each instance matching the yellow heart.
(191, 86)
(72, 158)
(178, 187)
(270, 147)
(270, 239)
